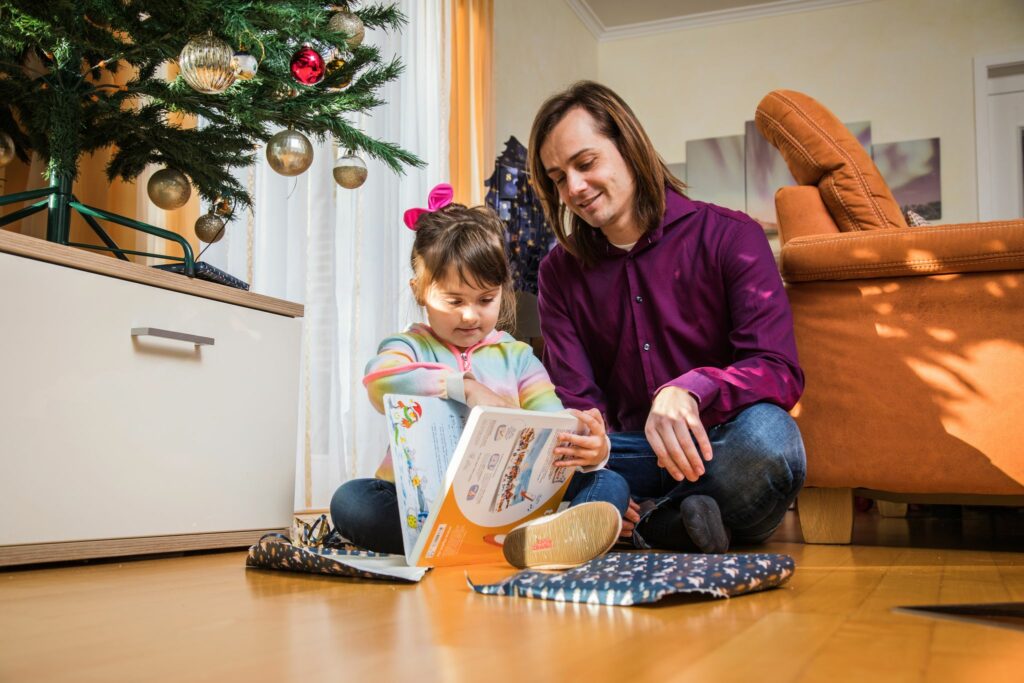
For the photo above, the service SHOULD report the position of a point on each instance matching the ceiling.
(615, 13)
(612, 19)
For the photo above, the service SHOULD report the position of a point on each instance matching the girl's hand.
(479, 395)
(587, 449)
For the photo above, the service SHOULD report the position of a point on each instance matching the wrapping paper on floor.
(638, 578)
(316, 549)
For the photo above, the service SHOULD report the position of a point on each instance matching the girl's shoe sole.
(565, 539)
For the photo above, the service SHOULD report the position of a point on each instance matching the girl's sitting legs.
(600, 485)
(365, 511)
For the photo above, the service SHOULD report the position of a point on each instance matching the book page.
(423, 433)
(502, 474)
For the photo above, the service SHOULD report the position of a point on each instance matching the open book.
(466, 478)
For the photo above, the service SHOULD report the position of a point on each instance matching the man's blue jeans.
(757, 469)
(365, 511)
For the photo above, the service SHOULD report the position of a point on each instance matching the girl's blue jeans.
(365, 511)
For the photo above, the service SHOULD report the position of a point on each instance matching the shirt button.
(639, 299)
(647, 347)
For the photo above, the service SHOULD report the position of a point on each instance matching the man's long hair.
(616, 121)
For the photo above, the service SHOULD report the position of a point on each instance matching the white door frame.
(982, 64)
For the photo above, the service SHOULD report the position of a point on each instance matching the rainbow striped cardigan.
(418, 362)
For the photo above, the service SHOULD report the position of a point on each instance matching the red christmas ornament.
(308, 66)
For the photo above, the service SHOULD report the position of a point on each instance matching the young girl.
(462, 279)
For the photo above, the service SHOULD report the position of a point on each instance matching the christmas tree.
(77, 76)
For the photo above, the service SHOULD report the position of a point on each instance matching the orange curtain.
(92, 189)
(471, 123)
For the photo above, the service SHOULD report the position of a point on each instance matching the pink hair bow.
(439, 197)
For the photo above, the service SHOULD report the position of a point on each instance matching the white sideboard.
(116, 438)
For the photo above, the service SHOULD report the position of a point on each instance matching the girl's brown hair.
(468, 243)
(617, 122)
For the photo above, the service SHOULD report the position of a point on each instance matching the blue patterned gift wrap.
(637, 578)
(276, 551)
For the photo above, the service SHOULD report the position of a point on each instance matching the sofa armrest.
(931, 250)
(802, 212)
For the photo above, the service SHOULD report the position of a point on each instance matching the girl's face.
(461, 314)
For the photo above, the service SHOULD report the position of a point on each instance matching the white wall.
(540, 47)
(904, 65)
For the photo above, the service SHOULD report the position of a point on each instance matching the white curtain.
(344, 254)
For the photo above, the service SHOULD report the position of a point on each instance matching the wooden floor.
(206, 618)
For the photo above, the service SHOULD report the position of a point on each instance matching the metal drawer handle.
(170, 334)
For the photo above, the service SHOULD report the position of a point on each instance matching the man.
(669, 315)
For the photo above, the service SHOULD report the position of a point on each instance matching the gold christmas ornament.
(6, 149)
(284, 92)
(337, 64)
(289, 152)
(209, 228)
(169, 189)
(207, 64)
(334, 64)
(350, 171)
(347, 22)
(244, 65)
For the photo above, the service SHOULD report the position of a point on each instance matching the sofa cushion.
(913, 384)
(820, 151)
(934, 250)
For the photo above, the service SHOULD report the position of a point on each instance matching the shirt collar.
(677, 207)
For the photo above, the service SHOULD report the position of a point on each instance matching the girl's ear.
(415, 295)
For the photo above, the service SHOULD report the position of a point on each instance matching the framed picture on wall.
(714, 171)
(912, 171)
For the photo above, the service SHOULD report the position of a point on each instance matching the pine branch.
(389, 17)
(56, 99)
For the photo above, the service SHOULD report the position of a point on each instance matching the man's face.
(592, 178)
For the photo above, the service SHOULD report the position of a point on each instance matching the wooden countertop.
(41, 250)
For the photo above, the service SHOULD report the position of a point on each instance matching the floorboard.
(204, 617)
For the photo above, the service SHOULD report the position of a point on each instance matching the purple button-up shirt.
(697, 303)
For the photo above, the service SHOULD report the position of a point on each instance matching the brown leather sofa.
(912, 338)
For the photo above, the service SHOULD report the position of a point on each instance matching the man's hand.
(479, 395)
(587, 449)
(674, 416)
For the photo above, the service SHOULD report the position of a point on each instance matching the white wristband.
(455, 386)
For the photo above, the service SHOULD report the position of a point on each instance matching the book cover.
(466, 478)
